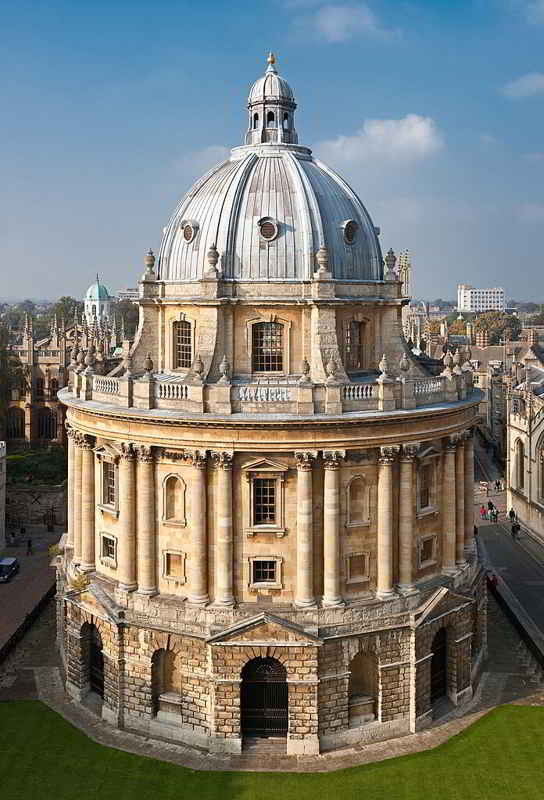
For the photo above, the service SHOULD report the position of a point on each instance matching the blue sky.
(433, 111)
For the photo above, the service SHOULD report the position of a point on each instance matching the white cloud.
(197, 162)
(534, 12)
(525, 86)
(532, 212)
(533, 157)
(488, 140)
(339, 23)
(410, 138)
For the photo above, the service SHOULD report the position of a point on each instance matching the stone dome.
(270, 208)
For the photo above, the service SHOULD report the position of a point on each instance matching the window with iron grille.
(267, 350)
(108, 483)
(353, 342)
(264, 571)
(264, 501)
(183, 349)
(108, 547)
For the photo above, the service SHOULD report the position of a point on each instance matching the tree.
(498, 324)
(65, 307)
(129, 311)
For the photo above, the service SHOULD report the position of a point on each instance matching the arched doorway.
(263, 698)
(95, 658)
(439, 666)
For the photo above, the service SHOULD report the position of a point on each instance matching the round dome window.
(268, 228)
(350, 231)
(188, 230)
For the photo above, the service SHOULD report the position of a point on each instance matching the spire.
(271, 105)
(271, 64)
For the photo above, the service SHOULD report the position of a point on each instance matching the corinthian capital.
(332, 458)
(128, 451)
(389, 453)
(83, 441)
(409, 451)
(305, 459)
(144, 453)
(222, 459)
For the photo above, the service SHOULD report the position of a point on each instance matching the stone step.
(255, 745)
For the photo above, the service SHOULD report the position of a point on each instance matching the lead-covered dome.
(270, 208)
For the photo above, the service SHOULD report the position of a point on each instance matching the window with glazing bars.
(108, 547)
(108, 483)
(264, 572)
(353, 341)
(425, 486)
(183, 350)
(264, 501)
(267, 347)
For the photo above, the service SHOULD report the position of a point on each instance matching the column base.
(151, 592)
(224, 603)
(199, 600)
(461, 564)
(306, 603)
(331, 602)
(449, 571)
(128, 587)
(406, 589)
(87, 567)
(390, 594)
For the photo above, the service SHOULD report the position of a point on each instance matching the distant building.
(128, 294)
(98, 303)
(479, 300)
(2, 495)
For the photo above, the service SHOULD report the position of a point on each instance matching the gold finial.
(271, 58)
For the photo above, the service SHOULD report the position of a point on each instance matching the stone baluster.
(223, 563)
(198, 562)
(78, 457)
(460, 504)
(331, 527)
(70, 433)
(87, 505)
(406, 518)
(469, 488)
(385, 522)
(305, 543)
(147, 578)
(449, 507)
(127, 519)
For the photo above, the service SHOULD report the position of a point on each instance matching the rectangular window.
(183, 351)
(264, 572)
(357, 567)
(174, 565)
(354, 345)
(425, 486)
(267, 346)
(108, 483)
(108, 548)
(427, 551)
(264, 501)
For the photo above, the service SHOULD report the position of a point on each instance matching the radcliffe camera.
(276, 505)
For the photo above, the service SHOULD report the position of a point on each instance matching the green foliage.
(499, 324)
(130, 313)
(499, 757)
(12, 374)
(37, 466)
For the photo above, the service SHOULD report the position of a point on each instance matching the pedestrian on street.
(475, 530)
(483, 514)
(29, 547)
(512, 515)
(516, 527)
(490, 505)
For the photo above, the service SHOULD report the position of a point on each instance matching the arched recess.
(16, 423)
(270, 120)
(165, 681)
(519, 450)
(92, 658)
(53, 388)
(47, 424)
(264, 698)
(363, 682)
(358, 501)
(174, 495)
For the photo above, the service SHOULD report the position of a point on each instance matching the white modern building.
(479, 300)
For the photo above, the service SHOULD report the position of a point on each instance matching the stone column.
(305, 529)
(223, 554)
(469, 488)
(198, 561)
(449, 507)
(147, 578)
(78, 452)
(87, 505)
(70, 433)
(127, 519)
(406, 518)
(384, 588)
(332, 595)
(460, 504)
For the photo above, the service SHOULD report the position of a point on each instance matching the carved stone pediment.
(441, 602)
(265, 629)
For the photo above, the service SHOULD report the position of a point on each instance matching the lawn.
(36, 467)
(42, 756)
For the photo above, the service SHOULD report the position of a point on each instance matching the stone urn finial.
(322, 259)
(224, 369)
(331, 369)
(404, 364)
(198, 368)
(212, 257)
(305, 371)
(74, 355)
(383, 366)
(148, 364)
(90, 360)
(457, 362)
(80, 360)
(127, 364)
(448, 363)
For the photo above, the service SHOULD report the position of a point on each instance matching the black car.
(8, 568)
